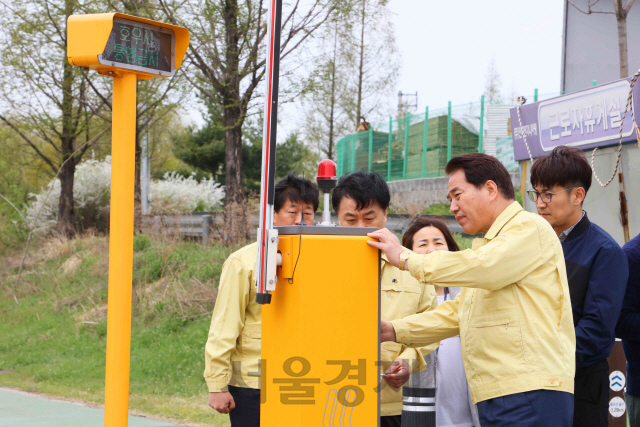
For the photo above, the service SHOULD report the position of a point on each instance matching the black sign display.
(136, 45)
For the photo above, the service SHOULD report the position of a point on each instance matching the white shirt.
(452, 401)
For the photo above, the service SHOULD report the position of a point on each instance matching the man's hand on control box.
(388, 243)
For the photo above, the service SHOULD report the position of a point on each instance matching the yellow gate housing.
(320, 334)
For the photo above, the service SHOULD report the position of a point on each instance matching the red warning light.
(326, 176)
(326, 170)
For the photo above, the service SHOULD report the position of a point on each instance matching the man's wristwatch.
(404, 256)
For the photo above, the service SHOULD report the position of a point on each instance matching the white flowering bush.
(92, 182)
(176, 194)
(42, 213)
(91, 192)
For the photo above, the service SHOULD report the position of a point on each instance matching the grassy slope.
(54, 330)
(53, 326)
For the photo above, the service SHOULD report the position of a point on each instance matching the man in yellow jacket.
(361, 200)
(232, 352)
(513, 315)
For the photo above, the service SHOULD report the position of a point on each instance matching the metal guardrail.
(203, 226)
(207, 226)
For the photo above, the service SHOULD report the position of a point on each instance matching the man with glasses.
(596, 269)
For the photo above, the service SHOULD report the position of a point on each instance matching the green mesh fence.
(420, 145)
(414, 146)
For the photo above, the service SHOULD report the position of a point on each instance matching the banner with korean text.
(586, 119)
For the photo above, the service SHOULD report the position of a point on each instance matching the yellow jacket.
(401, 296)
(232, 352)
(513, 314)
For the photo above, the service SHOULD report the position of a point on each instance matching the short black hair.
(295, 189)
(365, 188)
(479, 168)
(564, 166)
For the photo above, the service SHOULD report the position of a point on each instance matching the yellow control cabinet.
(320, 334)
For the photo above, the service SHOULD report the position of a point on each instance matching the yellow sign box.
(114, 42)
(128, 49)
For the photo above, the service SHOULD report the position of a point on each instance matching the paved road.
(19, 409)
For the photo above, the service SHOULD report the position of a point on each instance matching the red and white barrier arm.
(267, 235)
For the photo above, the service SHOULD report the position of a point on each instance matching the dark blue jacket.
(628, 328)
(597, 271)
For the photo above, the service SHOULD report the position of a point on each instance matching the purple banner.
(586, 119)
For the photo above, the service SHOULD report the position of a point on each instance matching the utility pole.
(145, 174)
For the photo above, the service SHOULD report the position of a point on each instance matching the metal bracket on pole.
(272, 260)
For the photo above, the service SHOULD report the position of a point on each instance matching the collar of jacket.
(581, 227)
(506, 215)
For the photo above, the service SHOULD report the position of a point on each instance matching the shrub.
(140, 242)
(92, 182)
(176, 194)
(91, 193)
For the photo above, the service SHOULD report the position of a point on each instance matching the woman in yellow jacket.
(232, 352)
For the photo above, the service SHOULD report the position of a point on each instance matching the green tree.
(294, 155)
(227, 50)
(203, 149)
(57, 110)
(18, 168)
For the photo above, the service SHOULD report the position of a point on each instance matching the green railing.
(416, 145)
(420, 145)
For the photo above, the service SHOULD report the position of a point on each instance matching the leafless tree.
(621, 11)
(325, 118)
(376, 60)
(355, 75)
(493, 84)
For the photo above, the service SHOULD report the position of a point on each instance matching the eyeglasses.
(546, 197)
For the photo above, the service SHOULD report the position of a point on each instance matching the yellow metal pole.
(120, 251)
